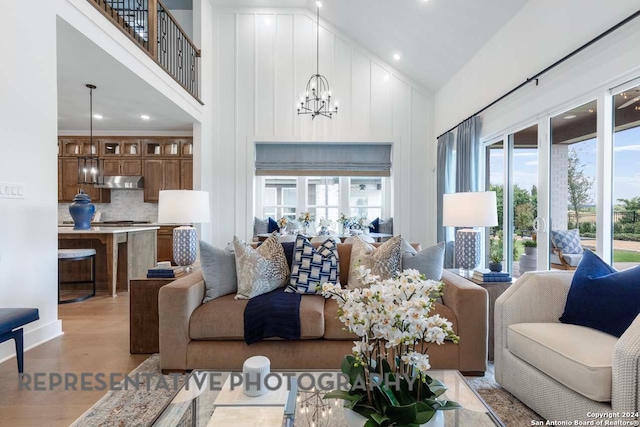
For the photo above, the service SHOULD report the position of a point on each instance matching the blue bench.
(11, 322)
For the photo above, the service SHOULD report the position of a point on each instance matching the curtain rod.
(550, 67)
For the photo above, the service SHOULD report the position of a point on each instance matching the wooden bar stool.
(77, 255)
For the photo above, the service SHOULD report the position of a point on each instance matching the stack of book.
(485, 275)
(165, 272)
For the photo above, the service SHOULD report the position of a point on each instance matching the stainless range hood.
(122, 182)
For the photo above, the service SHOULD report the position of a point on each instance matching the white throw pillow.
(384, 261)
(260, 270)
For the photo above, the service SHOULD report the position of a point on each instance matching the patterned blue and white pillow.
(568, 241)
(312, 266)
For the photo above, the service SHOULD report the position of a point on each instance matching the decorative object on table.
(313, 267)
(305, 220)
(166, 272)
(379, 315)
(316, 100)
(254, 371)
(385, 261)
(344, 221)
(485, 275)
(496, 255)
(472, 209)
(282, 225)
(89, 164)
(325, 225)
(184, 207)
(81, 211)
(529, 260)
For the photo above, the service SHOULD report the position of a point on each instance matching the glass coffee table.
(193, 405)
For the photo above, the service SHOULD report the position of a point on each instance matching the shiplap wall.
(263, 60)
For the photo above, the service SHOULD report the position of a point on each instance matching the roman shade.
(323, 159)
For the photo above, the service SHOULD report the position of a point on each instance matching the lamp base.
(185, 245)
(467, 249)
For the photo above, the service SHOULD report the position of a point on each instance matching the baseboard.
(32, 339)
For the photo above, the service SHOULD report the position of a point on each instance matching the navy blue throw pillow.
(601, 297)
(289, 249)
(376, 225)
(273, 225)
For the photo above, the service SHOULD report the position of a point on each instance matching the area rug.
(139, 406)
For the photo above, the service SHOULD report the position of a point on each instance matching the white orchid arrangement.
(323, 222)
(391, 317)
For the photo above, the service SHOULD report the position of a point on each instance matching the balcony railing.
(154, 29)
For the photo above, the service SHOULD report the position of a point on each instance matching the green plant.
(496, 253)
(530, 243)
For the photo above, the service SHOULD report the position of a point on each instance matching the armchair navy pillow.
(273, 225)
(376, 225)
(601, 297)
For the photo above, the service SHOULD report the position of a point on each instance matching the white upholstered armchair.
(563, 372)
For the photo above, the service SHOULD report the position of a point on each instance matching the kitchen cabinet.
(160, 174)
(122, 167)
(68, 185)
(165, 243)
(120, 148)
(186, 174)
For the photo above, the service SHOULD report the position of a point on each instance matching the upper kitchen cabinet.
(168, 147)
(160, 174)
(120, 147)
(122, 167)
(77, 146)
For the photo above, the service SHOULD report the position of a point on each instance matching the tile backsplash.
(125, 205)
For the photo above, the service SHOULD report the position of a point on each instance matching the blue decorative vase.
(185, 245)
(82, 211)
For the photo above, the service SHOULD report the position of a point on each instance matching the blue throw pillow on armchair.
(601, 297)
(376, 225)
(273, 225)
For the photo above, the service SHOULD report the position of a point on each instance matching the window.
(280, 197)
(323, 197)
(365, 197)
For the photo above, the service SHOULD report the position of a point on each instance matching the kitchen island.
(122, 252)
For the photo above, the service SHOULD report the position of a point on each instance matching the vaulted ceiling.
(434, 38)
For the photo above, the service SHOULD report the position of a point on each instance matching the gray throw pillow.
(429, 261)
(219, 271)
(260, 226)
(386, 226)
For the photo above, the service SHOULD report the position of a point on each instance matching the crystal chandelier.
(89, 170)
(316, 99)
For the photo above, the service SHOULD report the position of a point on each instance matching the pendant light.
(316, 99)
(89, 170)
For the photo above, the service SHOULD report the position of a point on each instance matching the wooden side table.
(494, 289)
(144, 335)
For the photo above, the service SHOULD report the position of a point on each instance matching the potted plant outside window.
(530, 247)
(496, 255)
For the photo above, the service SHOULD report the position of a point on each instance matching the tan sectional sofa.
(211, 336)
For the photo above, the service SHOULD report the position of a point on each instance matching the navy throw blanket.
(274, 314)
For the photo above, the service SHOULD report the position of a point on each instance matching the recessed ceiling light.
(569, 117)
(396, 57)
(145, 117)
(97, 116)
(319, 3)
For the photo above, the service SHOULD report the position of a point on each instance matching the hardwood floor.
(96, 339)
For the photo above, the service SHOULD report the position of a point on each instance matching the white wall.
(264, 59)
(185, 19)
(540, 34)
(28, 119)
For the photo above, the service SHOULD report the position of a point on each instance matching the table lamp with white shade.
(473, 209)
(184, 207)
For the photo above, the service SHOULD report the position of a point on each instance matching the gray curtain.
(467, 157)
(446, 184)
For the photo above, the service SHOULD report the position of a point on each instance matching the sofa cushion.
(429, 261)
(218, 271)
(568, 241)
(384, 261)
(576, 356)
(260, 226)
(601, 297)
(313, 266)
(333, 327)
(572, 259)
(260, 270)
(223, 319)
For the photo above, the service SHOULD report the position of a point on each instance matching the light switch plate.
(11, 190)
